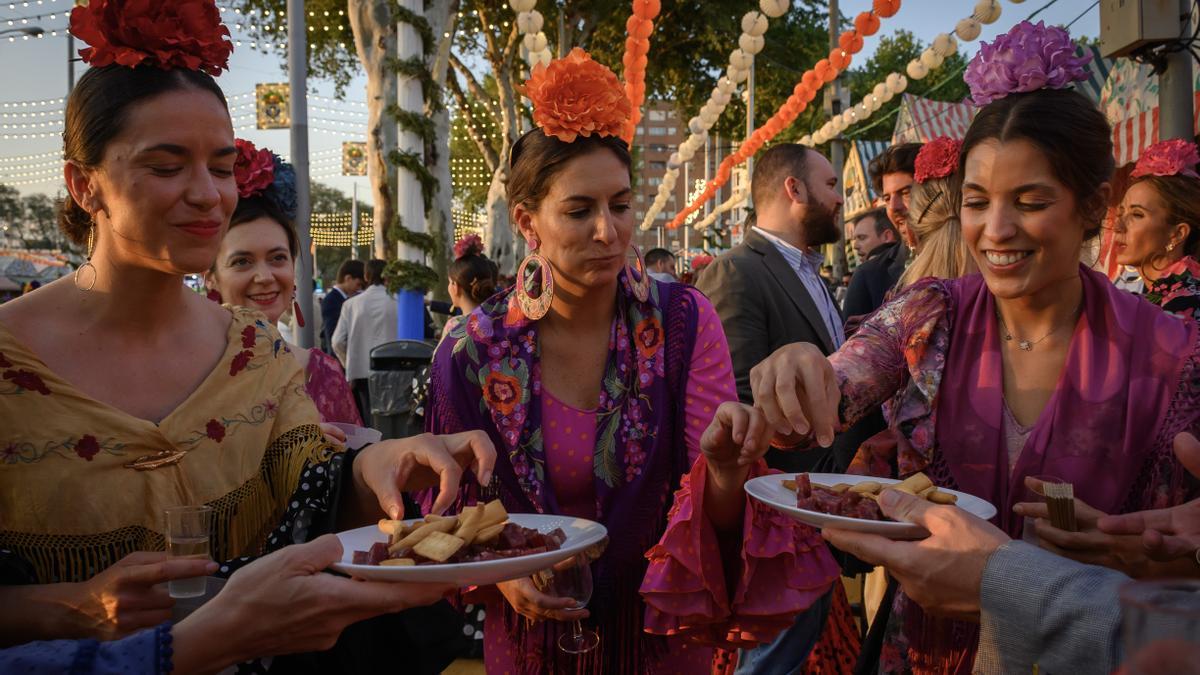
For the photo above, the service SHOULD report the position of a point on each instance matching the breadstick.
(468, 523)
(939, 497)
(913, 484)
(392, 527)
(866, 486)
(416, 536)
(489, 534)
(398, 562)
(493, 512)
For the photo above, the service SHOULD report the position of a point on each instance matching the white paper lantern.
(741, 60)
(873, 103)
(672, 162)
(699, 139)
(968, 29)
(686, 152)
(862, 111)
(774, 8)
(754, 23)
(804, 140)
(987, 11)
(530, 22)
(751, 44)
(535, 42)
(931, 59)
(945, 44)
(695, 125)
(726, 85)
(897, 83)
(721, 98)
(917, 70)
(544, 57)
(519, 6)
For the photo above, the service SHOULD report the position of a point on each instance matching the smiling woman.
(1037, 365)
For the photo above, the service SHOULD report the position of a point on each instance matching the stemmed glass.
(573, 579)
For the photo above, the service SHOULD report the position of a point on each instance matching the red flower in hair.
(87, 447)
(177, 34)
(254, 169)
(937, 159)
(1175, 157)
(468, 245)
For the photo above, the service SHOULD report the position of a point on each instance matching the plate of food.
(481, 545)
(848, 501)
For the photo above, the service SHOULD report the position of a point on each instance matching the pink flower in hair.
(468, 245)
(937, 159)
(1175, 157)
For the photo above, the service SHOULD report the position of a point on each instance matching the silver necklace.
(1028, 345)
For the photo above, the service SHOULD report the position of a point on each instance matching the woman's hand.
(125, 598)
(1089, 544)
(283, 603)
(333, 434)
(535, 605)
(736, 438)
(797, 391)
(389, 468)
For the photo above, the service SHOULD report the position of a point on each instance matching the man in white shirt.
(367, 321)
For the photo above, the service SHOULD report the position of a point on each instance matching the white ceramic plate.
(580, 535)
(770, 491)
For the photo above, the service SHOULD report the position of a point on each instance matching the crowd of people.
(972, 345)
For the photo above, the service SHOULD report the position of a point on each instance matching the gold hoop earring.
(87, 266)
(535, 308)
(639, 285)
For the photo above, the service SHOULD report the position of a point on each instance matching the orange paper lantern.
(866, 24)
(824, 70)
(850, 42)
(839, 59)
(811, 80)
(646, 9)
(886, 8)
(635, 46)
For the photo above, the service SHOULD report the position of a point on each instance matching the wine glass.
(573, 579)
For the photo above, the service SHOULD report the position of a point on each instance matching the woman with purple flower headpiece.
(1035, 366)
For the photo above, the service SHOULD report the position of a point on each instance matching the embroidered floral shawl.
(487, 375)
(70, 505)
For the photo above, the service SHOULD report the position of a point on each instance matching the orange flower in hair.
(575, 96)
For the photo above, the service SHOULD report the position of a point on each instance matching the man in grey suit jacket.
(768, 291)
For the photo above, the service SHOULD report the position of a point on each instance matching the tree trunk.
(441, 16)
(501, 242)
(375, 40)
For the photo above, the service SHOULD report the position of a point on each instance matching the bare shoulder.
(39, 312)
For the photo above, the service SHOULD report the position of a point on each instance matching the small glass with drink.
(188, 530)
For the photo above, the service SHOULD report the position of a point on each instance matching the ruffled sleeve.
(786, 567)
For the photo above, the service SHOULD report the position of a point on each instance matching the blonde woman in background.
(940, 250)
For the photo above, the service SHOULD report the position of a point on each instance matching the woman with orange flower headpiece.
(123, 393)
(605, 392)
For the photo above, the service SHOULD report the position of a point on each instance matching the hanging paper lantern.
(519, 6)
(987, 11)
(886, 8)
(646, 9)
(968, 29)
(931, 59)
(638, 28)
(530, 22)
(535, 42)
(917, 70)
(866, 23)
(774, 8)
(754, 23)
(751, 44)
(737, 74)
(945, 45)
(839, 59)
(897, 83)
(850, 42)
(741, 60)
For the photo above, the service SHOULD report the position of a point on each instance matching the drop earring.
(85, 274)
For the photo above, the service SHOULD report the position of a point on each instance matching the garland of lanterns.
(825, 71)
(529, 26)
(741, 60)
(639, 26)
(967, 30)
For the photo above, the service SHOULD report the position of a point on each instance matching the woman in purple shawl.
(1037, 365)
(597, 385)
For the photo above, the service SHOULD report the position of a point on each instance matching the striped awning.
(1129, 100)
(857, 193)
(1098, 70)
(921, 120)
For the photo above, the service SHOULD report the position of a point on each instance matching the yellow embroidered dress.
(83, 484)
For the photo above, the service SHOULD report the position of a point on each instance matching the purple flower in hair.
(1027, 58)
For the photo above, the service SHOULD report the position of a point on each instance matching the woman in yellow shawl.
(123, 393)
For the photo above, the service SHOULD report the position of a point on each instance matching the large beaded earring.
(640, 285)
(532, 307)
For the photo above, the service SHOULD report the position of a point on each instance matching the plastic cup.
(187, 534)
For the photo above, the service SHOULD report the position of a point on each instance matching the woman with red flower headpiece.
(1158, 229)
(124, 393)
(607, 391)
(1035, 366)
(472, 278)
(940, 250)
(256, 268)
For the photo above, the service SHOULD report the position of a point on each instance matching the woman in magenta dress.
(256, 268)
(1037, 365)
(598, 384)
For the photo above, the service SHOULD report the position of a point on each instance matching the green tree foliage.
(330, 42)
(328, 199)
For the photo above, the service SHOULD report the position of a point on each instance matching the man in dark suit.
(881, 265)
(769, 293)
(350, 281)
(892, 177)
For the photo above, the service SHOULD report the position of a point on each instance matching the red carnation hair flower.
(468, 245)
(1175, 157)
(937, 159)
(254, 169)
(575, 96)
(184, 34)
